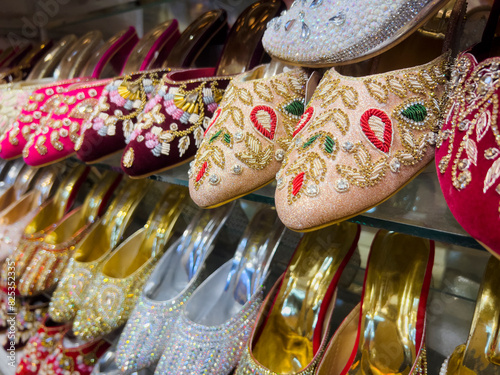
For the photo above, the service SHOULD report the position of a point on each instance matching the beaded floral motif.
(271, 103)
(413, 122)
(471, 117)
(130, 95)
(144, 338)
(212, 350)
(185, 107)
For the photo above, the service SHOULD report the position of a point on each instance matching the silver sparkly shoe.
(177, 275)
(106, 365)
(216, 322)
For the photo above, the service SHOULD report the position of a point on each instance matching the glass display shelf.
(419, 209)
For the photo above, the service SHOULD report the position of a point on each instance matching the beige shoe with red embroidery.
(359, 141)
(246, 139)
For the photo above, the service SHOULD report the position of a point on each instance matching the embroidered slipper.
(174, 120)
(321, 33)
(468, 147)
(55, 140)
(40, 346)
(246, 139)
(360, 140)
(123, 100)
(45, 98)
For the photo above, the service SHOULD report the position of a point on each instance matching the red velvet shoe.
(174, 120)
(74, 357)
(468, 147)
(123, 101)
(56, 141)
(40, 346)
(44, 100)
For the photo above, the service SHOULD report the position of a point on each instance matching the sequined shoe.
(123, 100)
(291, 330)
(15, 218)
(397, 277)
(173, 122)
(51, 256)
(246, 139)
(94, 249)
(44, 221)
(56, 140)
(468, 147)
(361, 139)
(481, 352)
(114, 290)
(216, 321)
(180, 271)
(75, 357)
(319, 33)
(40, 346)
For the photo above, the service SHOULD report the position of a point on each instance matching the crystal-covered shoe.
(94, 249)
(216, 322)
(177, 275)
(115, 288)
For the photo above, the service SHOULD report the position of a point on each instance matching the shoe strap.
(163, 219)
(122, 208)
(163, 37)
(206, 30)
(45, 67)
(70, 186)
(197, 241)
(247, 31)
(76, 57)
(114, 52)
(99, 195)
(254, 253)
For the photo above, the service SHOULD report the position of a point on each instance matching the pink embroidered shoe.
(122, 101)
(43, 100)
(56, 140)
(75, 357)
(361, 139)
(173, 122)
(468, 146)
(247, 137)
(40, 346)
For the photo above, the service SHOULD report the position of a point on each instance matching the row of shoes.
(336, 145)
(191, 304)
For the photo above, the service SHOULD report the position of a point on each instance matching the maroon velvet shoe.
(174, 120)
(124, 99)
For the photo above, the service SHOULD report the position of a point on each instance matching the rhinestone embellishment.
(237, 169)
(338, 19)
(214, 179)
(342, 185)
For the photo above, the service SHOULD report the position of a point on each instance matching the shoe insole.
(390, 308)
(285, 344)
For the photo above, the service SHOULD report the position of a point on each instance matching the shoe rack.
(419, 209)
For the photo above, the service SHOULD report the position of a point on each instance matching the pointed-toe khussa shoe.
(246, 139)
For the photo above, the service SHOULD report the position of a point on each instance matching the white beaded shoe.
(217, 320)
(174, 279)
(324, 33)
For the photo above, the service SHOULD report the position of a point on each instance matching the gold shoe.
(52, 254)
(16, 216)
(481, 353)
(94, 249)
(115, 288)
(389, 336)
(45, 219)
(20, 186)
